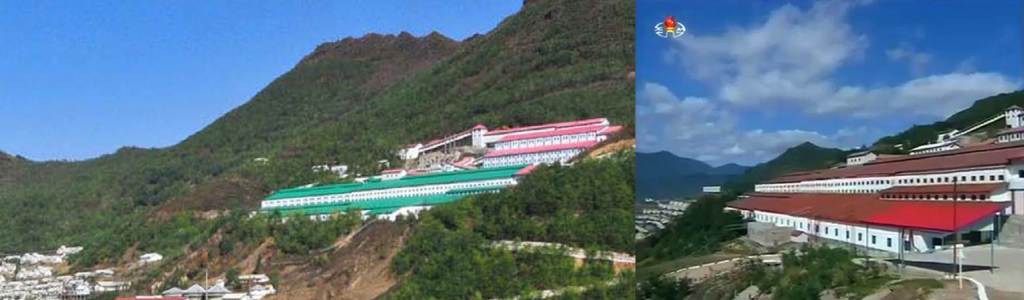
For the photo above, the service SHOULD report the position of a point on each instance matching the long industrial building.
(475, 160)
(902, 202)
(393, 195)
(545, 143)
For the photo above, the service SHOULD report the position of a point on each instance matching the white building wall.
(425, 190)
(872, 237)
(549, 157)
(870, 185)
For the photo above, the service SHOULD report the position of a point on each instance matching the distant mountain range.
(663, 175)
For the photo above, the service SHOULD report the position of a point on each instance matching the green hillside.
(980, 111)
(350, 102)
(588, 205)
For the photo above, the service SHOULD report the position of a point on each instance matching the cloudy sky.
(752, 78)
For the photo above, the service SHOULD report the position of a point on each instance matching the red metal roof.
(946, 188)
(611, 129)
(870, 209)
(548, 148)
(554, 125)
(549, 133)
(986, 155)
(527, 170)
(934, 215)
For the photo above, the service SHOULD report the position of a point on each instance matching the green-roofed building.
(393, 195)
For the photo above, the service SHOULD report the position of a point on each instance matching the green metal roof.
(409, 181)
(378, 206)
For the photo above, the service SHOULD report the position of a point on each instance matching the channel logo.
(669, 28)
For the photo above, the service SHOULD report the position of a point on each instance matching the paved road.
(1008, 274)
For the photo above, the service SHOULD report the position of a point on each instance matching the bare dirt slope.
(358, 269)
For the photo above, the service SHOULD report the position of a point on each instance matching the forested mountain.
(662, 175)
(351, 102)
(802, 157)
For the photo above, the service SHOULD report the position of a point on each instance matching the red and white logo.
(669, 28)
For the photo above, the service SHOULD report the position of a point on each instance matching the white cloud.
(916, 61)
(700, 128)
(790, 59)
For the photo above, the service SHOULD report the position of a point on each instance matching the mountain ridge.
(330, 108)
(663, 174)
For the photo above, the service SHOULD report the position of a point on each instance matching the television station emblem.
(669, 28)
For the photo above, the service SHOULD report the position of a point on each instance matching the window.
(860, 237)
(847, 234)
(873, 239)
(888, 242)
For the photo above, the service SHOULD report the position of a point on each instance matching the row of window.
(880, 183)
(817, 229)
(551, 140)
(385, 194)
(934, 150)
(527, 158)
(951, 179)
(1010, 137)
(974, 197)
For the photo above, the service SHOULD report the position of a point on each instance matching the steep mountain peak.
(806, 145)
(663, 153)
(376, 45)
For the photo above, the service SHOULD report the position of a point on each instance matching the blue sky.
(79, 79)
(749, 79)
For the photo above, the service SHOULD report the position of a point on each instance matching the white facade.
(423, 190)
(862, 235)
(935, 147)
(550, 157)
(860, 158)
(393, 174)
(1011, 136)
(1014, 117)
(871, 185)
(549, 141)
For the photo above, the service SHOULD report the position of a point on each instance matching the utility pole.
(956, 235)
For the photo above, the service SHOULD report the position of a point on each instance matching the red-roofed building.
(918, 199)
(549, 143)
(868, 221)
(921, 199)
(544, 143)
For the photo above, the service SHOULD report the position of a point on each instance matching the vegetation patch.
(589, 205)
